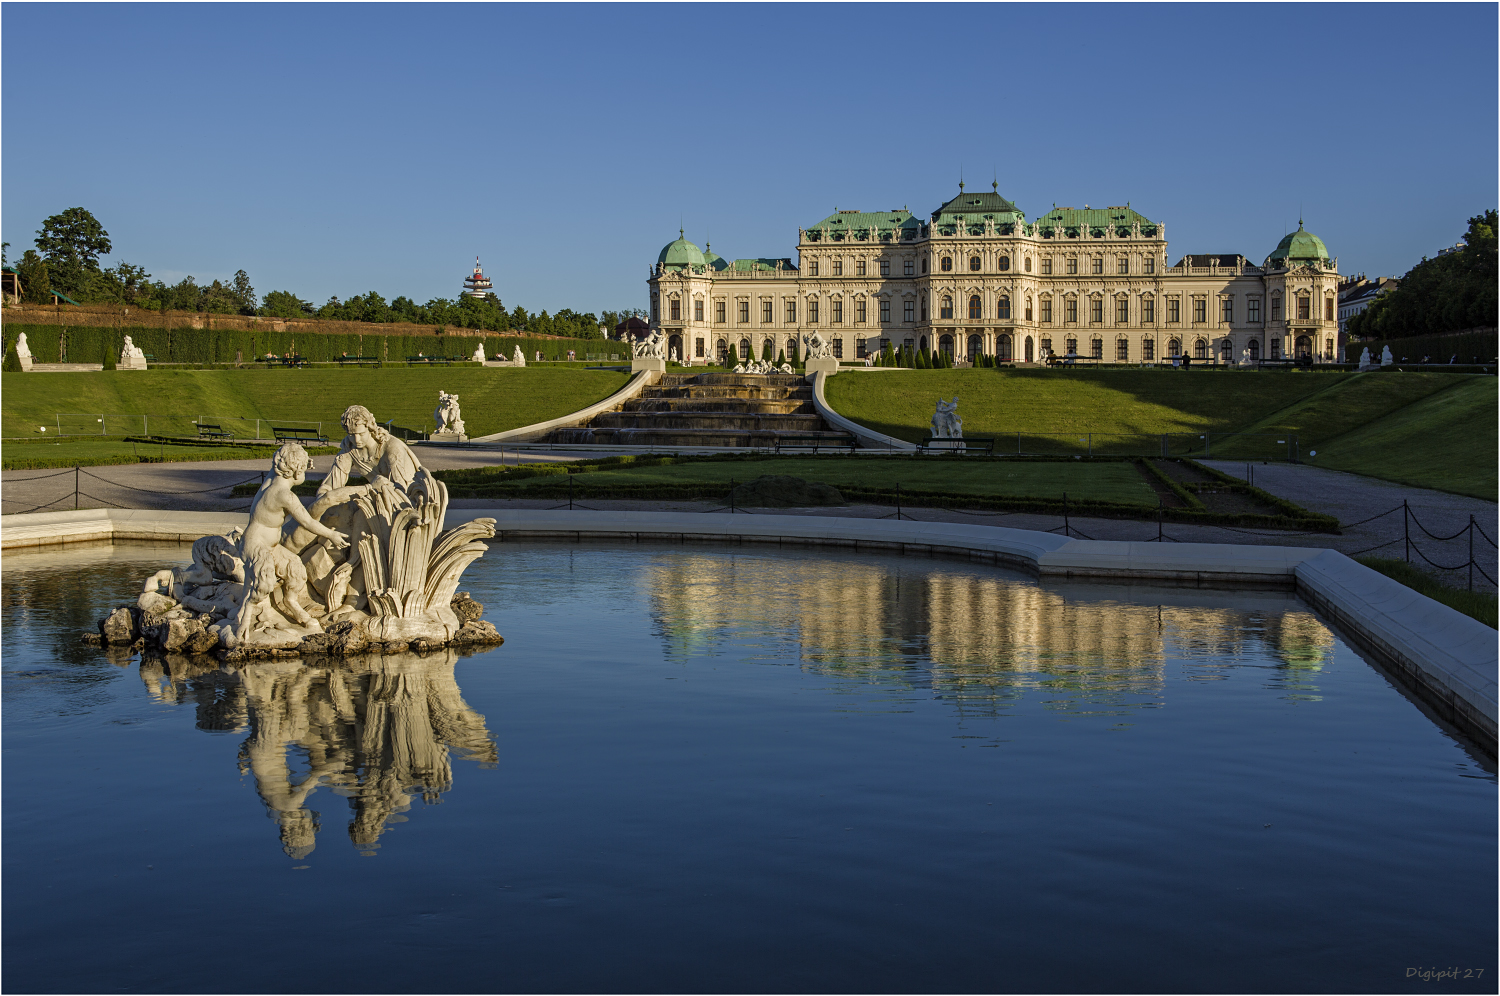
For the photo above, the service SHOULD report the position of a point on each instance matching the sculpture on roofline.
(366, 567)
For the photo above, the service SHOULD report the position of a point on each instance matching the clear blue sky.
(343, 148)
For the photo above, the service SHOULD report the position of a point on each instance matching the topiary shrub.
(111, 354)
(12, 360)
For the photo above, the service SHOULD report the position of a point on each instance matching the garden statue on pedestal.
(23, 351)
(1386, 359)
(131, 357)
(367, 568)
(478, 356)
(946, 425)
(519, 359)
(450, 425)
(1365, 362)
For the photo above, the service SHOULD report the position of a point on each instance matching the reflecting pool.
(708, 768)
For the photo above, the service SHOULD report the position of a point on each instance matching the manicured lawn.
(1479, 605)
(1447, 440)
(1001, 402)
(85, 452)
(1115, 481)
(492, 400)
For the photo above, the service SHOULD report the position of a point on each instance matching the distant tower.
(477, 284)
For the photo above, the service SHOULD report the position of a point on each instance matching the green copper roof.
(743, 265)
(1301, 244)
(1095, 221)
(856, 225)
(713, 260)
(977, 207)
(681, 253)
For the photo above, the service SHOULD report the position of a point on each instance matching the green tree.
(1452, 292)
(72, 243)
(244, 294)
(36, 280)
(285, 304)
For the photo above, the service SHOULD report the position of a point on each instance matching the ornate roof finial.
(681, 234)
(996, 186)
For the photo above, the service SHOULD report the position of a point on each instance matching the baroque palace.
(978, 277)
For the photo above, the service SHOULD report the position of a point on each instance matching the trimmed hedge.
(1478, 347)
(85, 344)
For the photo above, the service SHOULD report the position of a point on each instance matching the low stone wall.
(1445, 659)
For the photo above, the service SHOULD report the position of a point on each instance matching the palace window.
(924, 307)
(1148, 265)
(947, 311)
(1047, 266)
(697, 311)
(812, 311)
(1328, 309)
(924, 265)
(1275, 347)
(859, 311)
(1200, 350)
(1122, 310)
(1047, 345)
(1002, 310)
(885, 267)
(838, 349)
(654, 309)
(1096, 349)
(1275, 307)
(1174, 347)
(1028, 309)
(1200, 309)
(1096, 310)
(976, 307)
(906, 268)
(1070, 310)
(719, 310)
(791, 312)
(859, 267)
(812, 268)
(721, 350)
(1122, 265)
(1004, 263)
(744, 312)
(766, 315)
(1148, 310)
(1228, 310)
(885, 312)
(1252, 311)
(1046, 311)
(1072, 265)
(676, 310)
(1255, 350)
(698, 347)
(1099, 264)
(1148, 350)
(838, 268)
(947, 264)
(1304, 305)
(861, 350)
(768, 349)
(1174, 310)
(974, 263)
(906, 309)
(1028, 264)
(1226, 350)
(1070, 344)
(838, 312)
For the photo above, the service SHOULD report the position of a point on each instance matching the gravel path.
(205, 486)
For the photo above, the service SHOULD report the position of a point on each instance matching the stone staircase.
(710, 409)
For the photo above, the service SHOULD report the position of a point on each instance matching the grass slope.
(996, 402)
(1446, 440)
(492, 400)
(86, 452)
(1113, 481)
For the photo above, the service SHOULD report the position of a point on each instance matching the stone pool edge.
(1448, 659)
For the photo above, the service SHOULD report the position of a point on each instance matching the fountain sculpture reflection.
(379, 730)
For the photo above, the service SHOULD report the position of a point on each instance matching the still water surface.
(704, 769)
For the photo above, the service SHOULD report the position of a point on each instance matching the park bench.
(206, 431)
(445, 360)
(968, 444)
(358, 360)
(843, 441)
(286, 361)
(283, 434)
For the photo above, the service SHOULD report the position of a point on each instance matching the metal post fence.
(1406, 527)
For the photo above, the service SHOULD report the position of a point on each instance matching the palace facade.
(978, 277)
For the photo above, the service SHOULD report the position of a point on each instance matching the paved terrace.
(1362, 503)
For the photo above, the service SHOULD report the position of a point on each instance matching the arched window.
(1200, 349)
(1002, 310)
(974, 263)
(922, 344)
(721, 351)
(1096, 348)
(976, 346)
(1122, 350)
(1148, 350)
(1255, 350)
(1029, 345)
(674, 346)
(1002, 347)
(744, 350)
(1226, 351)
(924, 307)
(768, 349)
(1028, 307)
(947, 310)
(945, 345)
(976, 307)
(947, 263)
(1004, 263)
(1174, 347)
(1304, 347)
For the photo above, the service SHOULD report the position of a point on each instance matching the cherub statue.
(945, 421)
(272, 609)
(447, 414)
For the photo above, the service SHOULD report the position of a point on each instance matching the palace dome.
(1301, 244)
(681, 253)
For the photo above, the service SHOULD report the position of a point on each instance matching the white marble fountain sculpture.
(367, 567)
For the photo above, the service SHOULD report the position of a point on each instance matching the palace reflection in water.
(377, 730)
